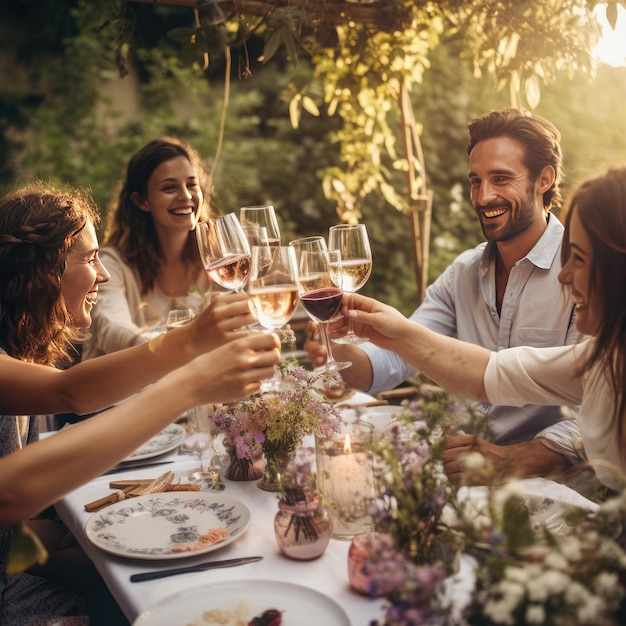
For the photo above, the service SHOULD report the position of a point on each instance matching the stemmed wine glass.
(264, 216)
(317, 243)
(224, 251)
(273, 291)
(200, 439)
(178, 317)
(321, 294)
(356, 265)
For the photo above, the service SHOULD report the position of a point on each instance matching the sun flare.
(612, 47)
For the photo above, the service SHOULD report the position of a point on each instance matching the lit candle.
(345, 479)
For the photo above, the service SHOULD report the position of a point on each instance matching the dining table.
(326, 575)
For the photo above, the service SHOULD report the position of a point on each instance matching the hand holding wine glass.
(273, 291)
(352, 242)
(321, 294)
(224, 251)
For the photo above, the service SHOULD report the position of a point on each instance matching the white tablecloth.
(328, 574)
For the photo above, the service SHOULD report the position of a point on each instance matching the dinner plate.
(165, 441)
(380, 416)
(151, 526)
(237, 602)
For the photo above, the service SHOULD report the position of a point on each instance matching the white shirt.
(123, 317)
(535, 311)
(522, 375)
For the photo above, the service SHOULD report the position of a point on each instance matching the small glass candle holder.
(346, 479)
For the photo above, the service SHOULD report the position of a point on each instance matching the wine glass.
(356, 265)
(321, 294)
(200, 439)
(224, 251)
(178, 317)
(273, 291)
(264, 216)
(317, 243)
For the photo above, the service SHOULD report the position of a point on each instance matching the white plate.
(165, 441)
(380, 416)
(148, 527)
(238, 601)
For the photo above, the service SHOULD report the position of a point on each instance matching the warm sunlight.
(612, 46)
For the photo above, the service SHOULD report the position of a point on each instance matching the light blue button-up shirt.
(536, 311)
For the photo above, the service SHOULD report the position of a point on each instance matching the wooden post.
(420, 199)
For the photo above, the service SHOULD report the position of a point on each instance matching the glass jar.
(302, 529)
(375, 568)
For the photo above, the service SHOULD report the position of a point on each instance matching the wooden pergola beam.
(381, 13)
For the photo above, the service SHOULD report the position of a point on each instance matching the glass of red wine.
(224, 251)
(320, 294)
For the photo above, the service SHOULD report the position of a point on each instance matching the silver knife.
(201, 567)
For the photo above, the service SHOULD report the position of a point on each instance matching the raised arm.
(100, 382)
(77, 454)
(454, 364)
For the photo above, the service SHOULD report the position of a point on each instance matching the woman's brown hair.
(131, 230)
(600, 204)
(39, 224)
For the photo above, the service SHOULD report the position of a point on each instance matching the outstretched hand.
(234, 370)
(379, 322)
(219, 322)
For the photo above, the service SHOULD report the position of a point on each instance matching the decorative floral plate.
(236, 602)
(165, 441)
(156, 526)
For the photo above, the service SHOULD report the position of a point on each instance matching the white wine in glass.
(353, 243)
(224, 251)
(273, 292)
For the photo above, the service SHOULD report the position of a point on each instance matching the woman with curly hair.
(50, 275)
(150, 247)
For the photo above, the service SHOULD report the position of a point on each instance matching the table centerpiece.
(275, 423)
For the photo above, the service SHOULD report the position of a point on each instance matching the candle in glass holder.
(345, 478)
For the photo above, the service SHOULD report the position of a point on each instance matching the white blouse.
(524, 375)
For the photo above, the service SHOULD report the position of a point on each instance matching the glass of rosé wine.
(224, 251)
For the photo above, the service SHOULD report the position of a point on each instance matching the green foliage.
(62, 116)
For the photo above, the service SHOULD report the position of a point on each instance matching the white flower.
(576, 594)
(472, 461)
(549, 583)
(499, 612)
(513, 488)
(535, 614)
(517, 574)
(589, 612)
(570, 548)
(605, 581)
(512, 592)
(557, 561)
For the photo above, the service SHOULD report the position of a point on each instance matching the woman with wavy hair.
(591, 373)
(50, 275)
(150, 247)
